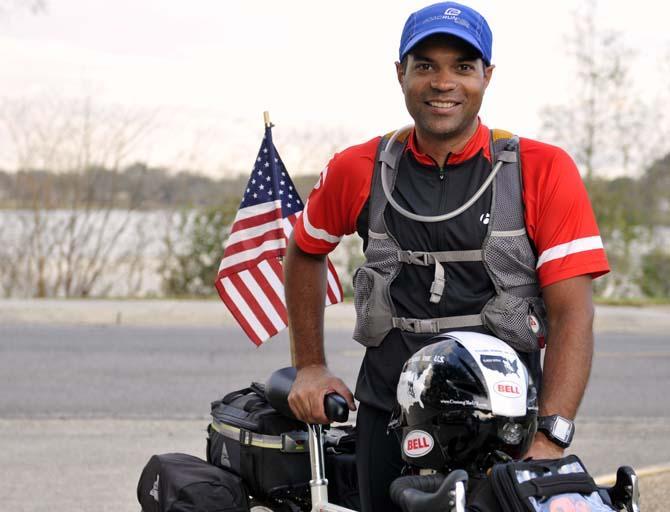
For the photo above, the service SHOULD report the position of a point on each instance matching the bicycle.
(416, 493)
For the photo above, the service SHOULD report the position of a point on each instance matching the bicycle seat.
(278, 387)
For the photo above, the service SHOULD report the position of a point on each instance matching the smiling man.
(464, 228)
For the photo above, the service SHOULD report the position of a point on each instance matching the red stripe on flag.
(256, 220)
(237, 314)
(270, 293)
(244, 265)
(331, 295)
(252, 243)
(276, 265)
(253, 304)
(331, 270)
(293, 218)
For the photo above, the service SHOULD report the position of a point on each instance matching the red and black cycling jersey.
(558, 216)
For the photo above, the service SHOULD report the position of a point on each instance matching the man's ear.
(400, 72)
(488, 74)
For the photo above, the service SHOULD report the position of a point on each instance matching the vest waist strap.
(435, 325)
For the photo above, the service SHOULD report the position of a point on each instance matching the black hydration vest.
(475, 271)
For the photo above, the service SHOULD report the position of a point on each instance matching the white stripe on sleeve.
(589, 243)
(318, 233)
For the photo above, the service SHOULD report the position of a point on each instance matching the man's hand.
(543, 448)
(312, 384)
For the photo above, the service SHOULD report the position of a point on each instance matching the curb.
(657, 469)
(213, 313)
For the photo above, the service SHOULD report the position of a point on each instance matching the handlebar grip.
(428, 493)
(425, 483)
(336, 408)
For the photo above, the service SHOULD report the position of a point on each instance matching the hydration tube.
(448, 215)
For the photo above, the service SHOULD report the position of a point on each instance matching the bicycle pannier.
(176, 482)
(268, 450)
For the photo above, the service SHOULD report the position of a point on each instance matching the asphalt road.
(168, 373)
(84, 407)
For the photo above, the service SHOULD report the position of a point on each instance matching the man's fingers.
(341, 389)
(308, 407)
(308, 394)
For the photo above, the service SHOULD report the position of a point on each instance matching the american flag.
(251, 280)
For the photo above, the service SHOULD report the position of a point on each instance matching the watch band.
(558, 429)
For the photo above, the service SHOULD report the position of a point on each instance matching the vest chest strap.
(428, 258)
(424, 259)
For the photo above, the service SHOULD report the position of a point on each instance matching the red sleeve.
(559, 217)
(337, 199)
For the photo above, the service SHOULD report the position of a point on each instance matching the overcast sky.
(206, 69)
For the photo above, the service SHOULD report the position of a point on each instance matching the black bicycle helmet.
(462, 399)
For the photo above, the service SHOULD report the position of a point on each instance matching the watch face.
(562, 429)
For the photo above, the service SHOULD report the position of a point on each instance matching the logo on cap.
(452, 11)
(417, 443)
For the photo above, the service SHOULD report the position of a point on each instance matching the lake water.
(122, 252)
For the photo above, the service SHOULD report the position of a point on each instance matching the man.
(425, 273)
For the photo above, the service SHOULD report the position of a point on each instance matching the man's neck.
(440, 148)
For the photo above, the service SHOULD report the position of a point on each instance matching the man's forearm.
(305, 288)
(567, 362)
(567, 365)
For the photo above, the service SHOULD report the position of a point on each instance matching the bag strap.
(552, 485)
(233, 395)
(252, 397)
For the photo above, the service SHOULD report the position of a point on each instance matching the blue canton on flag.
(269, 181)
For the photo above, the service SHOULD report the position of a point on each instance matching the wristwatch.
(558, 429)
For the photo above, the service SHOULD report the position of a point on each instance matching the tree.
(655, 276)
(605, 130)
(69, 252)
(598, 123)
(194, 241)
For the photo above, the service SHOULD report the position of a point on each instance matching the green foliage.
(655, 188)
(655, 276)
(194, 250)
(618, 205)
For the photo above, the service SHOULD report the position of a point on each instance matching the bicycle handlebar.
(336, 408)
(430, 493)
(279, 385)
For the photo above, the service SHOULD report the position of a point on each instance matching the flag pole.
(268, 124)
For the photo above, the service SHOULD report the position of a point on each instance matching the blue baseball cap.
(448, 18)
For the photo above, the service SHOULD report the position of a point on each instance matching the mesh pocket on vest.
(373, 307)
(517, 320)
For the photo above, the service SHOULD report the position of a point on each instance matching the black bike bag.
(268, 450)
(176, 482)
(547, 485)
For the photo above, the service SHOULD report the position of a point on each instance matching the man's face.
(444, 83)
